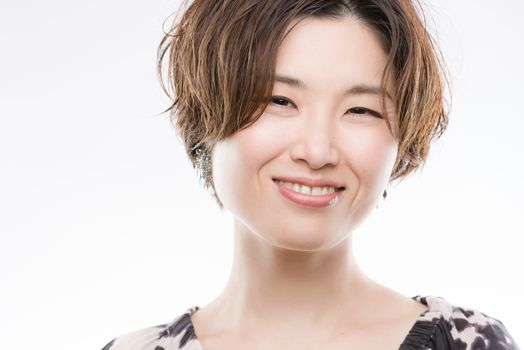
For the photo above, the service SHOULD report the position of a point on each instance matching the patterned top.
(442, 326)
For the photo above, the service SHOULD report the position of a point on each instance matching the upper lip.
(320, 182)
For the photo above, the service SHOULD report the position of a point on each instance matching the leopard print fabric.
(446, 326)
(442, 326)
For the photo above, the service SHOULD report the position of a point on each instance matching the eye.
(281, 101)
(363, 111)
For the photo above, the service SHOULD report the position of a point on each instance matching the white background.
(104, 228)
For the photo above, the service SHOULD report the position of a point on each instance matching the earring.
(384, 195)
(203, 166)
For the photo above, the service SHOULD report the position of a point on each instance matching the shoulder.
(468, 327)
(175, 335)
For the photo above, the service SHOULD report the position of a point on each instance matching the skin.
(294, 282)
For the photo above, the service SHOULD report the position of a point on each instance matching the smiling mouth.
(308, 190)
(306, 196)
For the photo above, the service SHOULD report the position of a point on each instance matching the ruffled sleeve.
(177, 335)
(446, 326)
(427, 334)
(476, 330)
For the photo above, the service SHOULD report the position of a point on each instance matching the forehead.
(329, 54)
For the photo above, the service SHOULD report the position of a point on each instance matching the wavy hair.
(221, 59)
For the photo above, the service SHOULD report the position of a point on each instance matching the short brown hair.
(222, 58)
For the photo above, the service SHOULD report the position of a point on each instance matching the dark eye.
(363, 111)
(280, 101)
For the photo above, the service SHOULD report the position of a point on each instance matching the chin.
(307, 240)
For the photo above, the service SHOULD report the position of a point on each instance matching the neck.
(282, 288)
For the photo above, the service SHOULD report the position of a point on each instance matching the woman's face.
(320, 129)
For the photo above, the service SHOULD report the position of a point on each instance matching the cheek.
(250, 149)
(258, 144)
(372, 153)
(237, 161)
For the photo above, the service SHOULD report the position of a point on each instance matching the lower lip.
(307, 200)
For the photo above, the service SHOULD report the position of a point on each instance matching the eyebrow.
(359, 89)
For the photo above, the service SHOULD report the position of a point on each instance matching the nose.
(315, 142)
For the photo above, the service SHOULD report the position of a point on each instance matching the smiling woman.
(298, 114)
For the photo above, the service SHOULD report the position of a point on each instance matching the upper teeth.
(315, 191)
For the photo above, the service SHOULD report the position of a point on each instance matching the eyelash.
(370, 111)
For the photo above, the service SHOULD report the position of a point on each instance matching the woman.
(298, 114)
